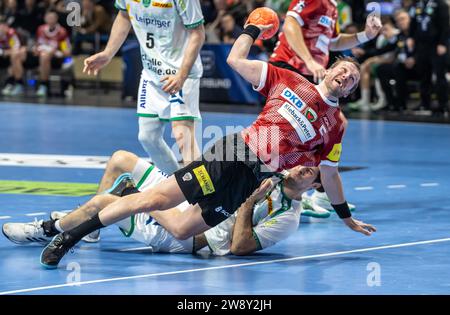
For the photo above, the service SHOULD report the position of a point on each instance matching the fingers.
(363, 231)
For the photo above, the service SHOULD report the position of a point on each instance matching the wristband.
(362, 37)
(342, 210)
(253, 31)
(1, 52)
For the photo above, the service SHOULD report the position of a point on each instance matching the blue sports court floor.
(403, 189)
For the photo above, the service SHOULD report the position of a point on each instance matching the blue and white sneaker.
(311, 212)
(26, 233)
(321, 199)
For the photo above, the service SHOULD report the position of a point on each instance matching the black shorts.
(219, 184)
(4, 62)
(32, 62)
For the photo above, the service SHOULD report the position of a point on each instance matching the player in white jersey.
(273, 219)
(170, 34)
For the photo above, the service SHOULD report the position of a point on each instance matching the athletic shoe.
(55, 250)
(17, 90)
(7, 89)
(123, 186)
(93, 237)
(25, 233)
(359, 106)
(42, 91)
(311, 212)
(321, 199)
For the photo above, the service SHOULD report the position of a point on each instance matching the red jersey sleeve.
(303, 10)
(270, 76)
(332, 149)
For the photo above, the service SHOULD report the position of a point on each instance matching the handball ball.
(265, 16)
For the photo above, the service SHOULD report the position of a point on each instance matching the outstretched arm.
(347, 41)
(331, 181)
(250, 70)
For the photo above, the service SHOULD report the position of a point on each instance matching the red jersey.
(298, 124)
(318, 19)
(50, 39)
(10, 40)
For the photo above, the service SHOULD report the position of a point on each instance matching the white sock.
(58, 227)
(365, 96)
(151, 132)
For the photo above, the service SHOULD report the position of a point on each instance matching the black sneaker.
(56, 249)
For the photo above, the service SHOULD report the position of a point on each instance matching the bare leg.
(184, 133)
(17, 58)
(45, 66)
(119, 163)
(182, 224)
(86, 211)
(165, 196)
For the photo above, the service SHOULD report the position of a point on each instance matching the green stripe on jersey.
(194, 25)
(144, 177)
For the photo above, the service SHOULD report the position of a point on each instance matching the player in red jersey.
(51, 48)
(310, 31)
(9, 42)
(300, 124)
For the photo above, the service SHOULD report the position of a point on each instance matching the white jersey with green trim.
(161, 28)
(274, 219)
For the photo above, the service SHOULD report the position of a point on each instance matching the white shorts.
(142, 227)
(153, 102)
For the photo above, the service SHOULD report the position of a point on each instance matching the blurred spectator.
(429, 31)
(94, 21)
(344, 14)
(29, 17)
(402, 69)
(10, 12)
(60, 7)
(51, 48)
(375, 58)
(229, 31)
(304, 44)
(9, 42)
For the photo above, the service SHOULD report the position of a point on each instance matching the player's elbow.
(242, 248)
(232, 61)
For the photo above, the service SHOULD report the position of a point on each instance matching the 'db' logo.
(146, 3)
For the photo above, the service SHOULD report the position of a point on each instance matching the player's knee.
(120, 158)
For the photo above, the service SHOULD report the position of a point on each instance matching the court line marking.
(429, 184)
(361, 250)
(5, 217)
(395, 186)
(35, 214)
(364, 188)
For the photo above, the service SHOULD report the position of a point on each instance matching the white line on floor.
(5, 217)
(35, 214)
(396, 186)
(429, 184)
(364, 188)
(361, 250)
